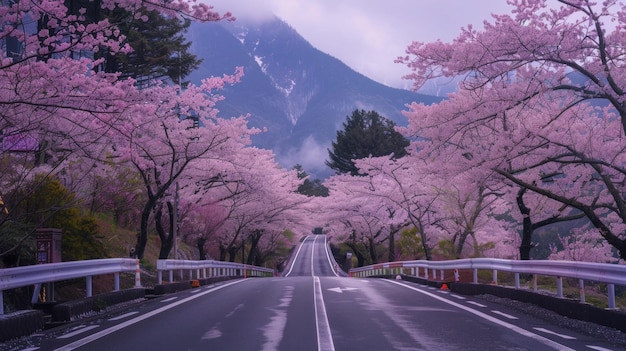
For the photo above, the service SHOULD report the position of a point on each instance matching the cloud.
(368, 35)
(310, 155)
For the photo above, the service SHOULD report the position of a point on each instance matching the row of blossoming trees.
(159, 156)
(534, 136)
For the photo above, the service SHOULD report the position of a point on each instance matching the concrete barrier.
(21, 323)
(70, 310)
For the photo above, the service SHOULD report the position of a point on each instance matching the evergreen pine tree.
(364, 134)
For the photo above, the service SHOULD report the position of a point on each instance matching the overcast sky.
(368, 35)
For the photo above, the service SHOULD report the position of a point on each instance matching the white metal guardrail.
(610, 274)
(209, 268)
(11, 278)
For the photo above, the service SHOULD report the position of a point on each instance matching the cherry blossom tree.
(541, 106)
(57, 108)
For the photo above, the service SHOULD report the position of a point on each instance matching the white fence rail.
(610, 274)
(12, 278)
(209, 268)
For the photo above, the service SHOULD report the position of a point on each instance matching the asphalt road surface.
(312, 308)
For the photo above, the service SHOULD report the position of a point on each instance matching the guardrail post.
(581, 287)
(116, 281)
(534, 282)
(137, 274)
(611, 292)
(494, 279)
(36, 292)
(1, 302)
(89, 286)
(171, 276)
(475, 276)
(559, 287)
(516, 280)
(159, 277)
(441, 275)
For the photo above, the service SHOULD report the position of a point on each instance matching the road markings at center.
(324, 335)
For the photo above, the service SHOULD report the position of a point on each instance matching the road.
(312, 308)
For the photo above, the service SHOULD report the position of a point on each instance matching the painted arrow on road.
(341, 290)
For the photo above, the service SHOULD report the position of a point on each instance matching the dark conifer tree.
(364, 134)
(159, 48)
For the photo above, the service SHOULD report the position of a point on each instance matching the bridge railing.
(610, 274)
(209, 268)
(12, 278)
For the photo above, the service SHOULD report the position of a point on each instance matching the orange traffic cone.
(444, 286)
(195, 283)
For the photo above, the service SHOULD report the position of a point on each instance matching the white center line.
(170, 299)
(324, 335)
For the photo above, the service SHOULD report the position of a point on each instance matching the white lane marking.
(194, 291)
(30, 349)
(313, 257)
(102, 333)
(235, 310)
(547, 331)
(504, 314)
(214, 333)
(170, 299)
(477, 304)
(458, 296)
(364, 280)
(332, 266)
(324, 335)
(598, 348)
(341, 290)
(295, 258)
(78, 331)
(122, 316)
(504, 324)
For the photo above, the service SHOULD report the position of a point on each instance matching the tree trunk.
(254, 247)
(142, 237)
(527, 228)
(232, 253)
(200, 246)
(392, 245)
(166, 236)
(372, 250)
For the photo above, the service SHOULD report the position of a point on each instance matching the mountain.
(300, 95)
